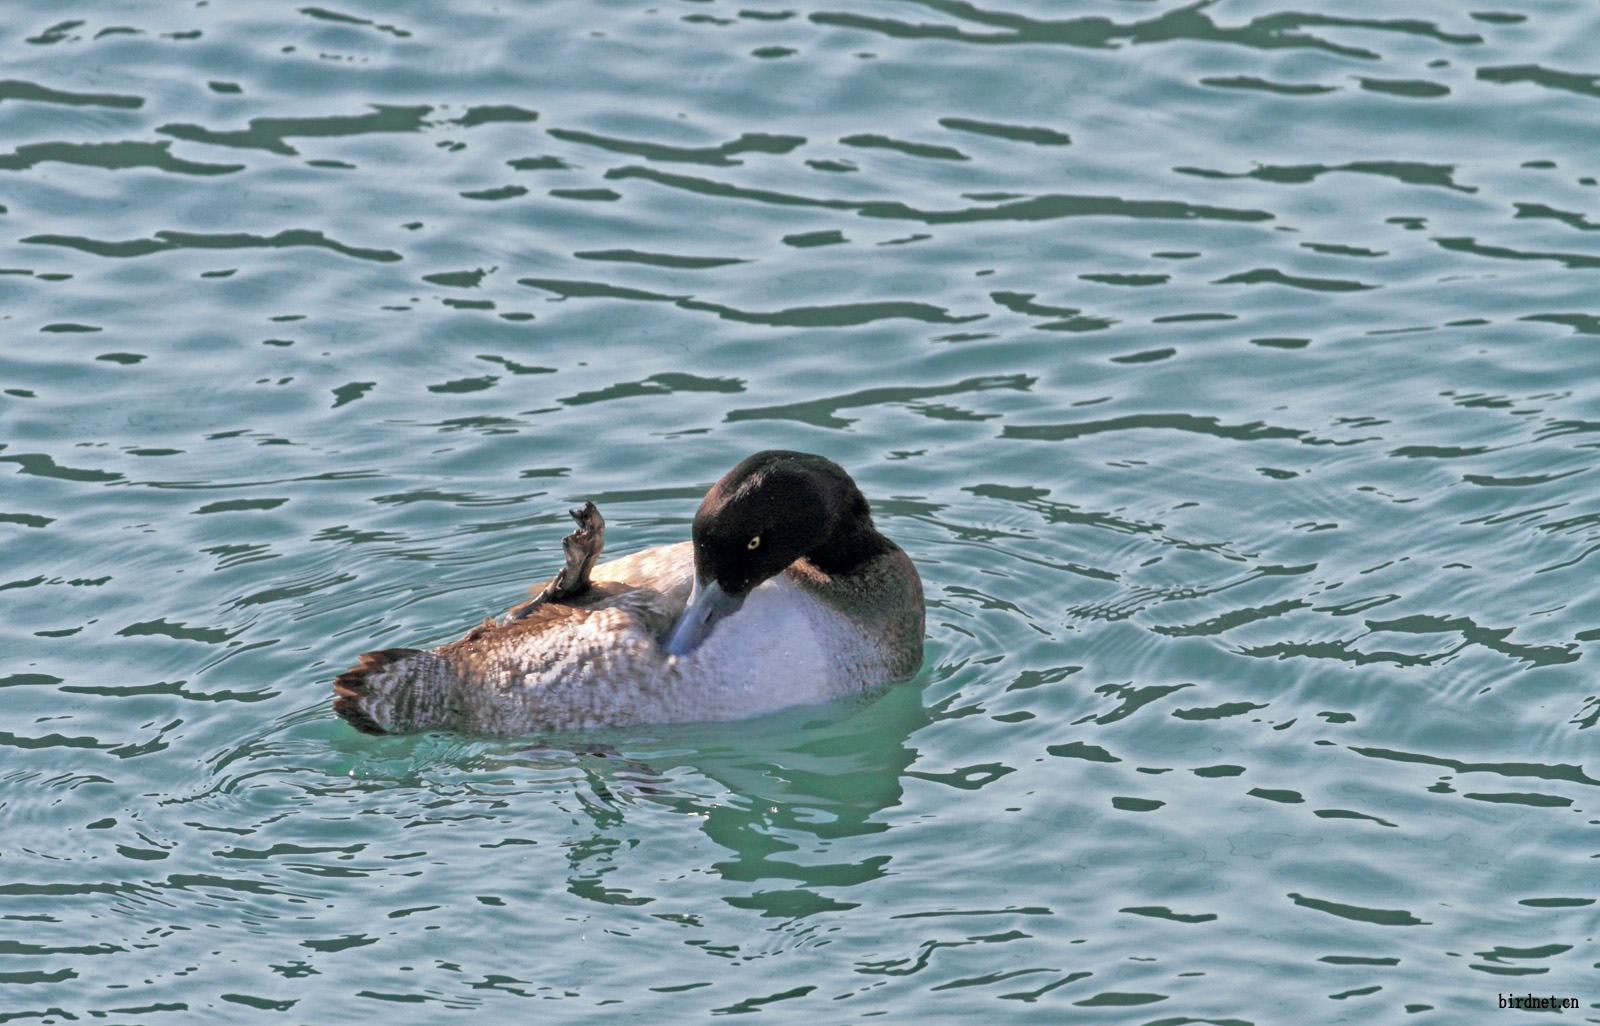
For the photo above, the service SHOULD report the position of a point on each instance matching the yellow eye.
(754, 543)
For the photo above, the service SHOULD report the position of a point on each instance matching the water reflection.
(792, 789)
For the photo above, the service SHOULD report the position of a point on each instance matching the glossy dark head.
(773, 508)
(769, 511)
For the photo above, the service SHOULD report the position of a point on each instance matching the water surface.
(1228, 369)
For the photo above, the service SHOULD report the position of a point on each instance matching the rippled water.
(1229, 369)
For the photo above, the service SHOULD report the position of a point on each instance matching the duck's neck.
(853, 541)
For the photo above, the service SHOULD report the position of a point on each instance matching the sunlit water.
(1229, 370)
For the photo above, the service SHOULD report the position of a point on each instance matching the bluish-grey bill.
(708, 604)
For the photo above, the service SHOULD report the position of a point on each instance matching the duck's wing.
(665, 569)
(553, 663)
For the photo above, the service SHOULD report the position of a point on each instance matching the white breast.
(784, 647)
(778, 650)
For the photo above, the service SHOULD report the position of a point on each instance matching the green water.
(1228, 369)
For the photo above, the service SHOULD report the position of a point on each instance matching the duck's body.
(636, 639)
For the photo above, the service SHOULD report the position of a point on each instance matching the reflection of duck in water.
(787, 595)
(795, 805)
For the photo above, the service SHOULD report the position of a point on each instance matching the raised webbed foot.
(582, 547)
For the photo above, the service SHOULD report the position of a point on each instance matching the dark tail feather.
(393, 691)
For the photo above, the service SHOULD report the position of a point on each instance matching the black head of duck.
(772, 509)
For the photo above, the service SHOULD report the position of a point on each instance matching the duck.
(786, 594)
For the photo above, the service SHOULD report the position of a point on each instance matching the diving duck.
(785, 595)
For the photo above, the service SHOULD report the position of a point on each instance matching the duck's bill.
(708, 605)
